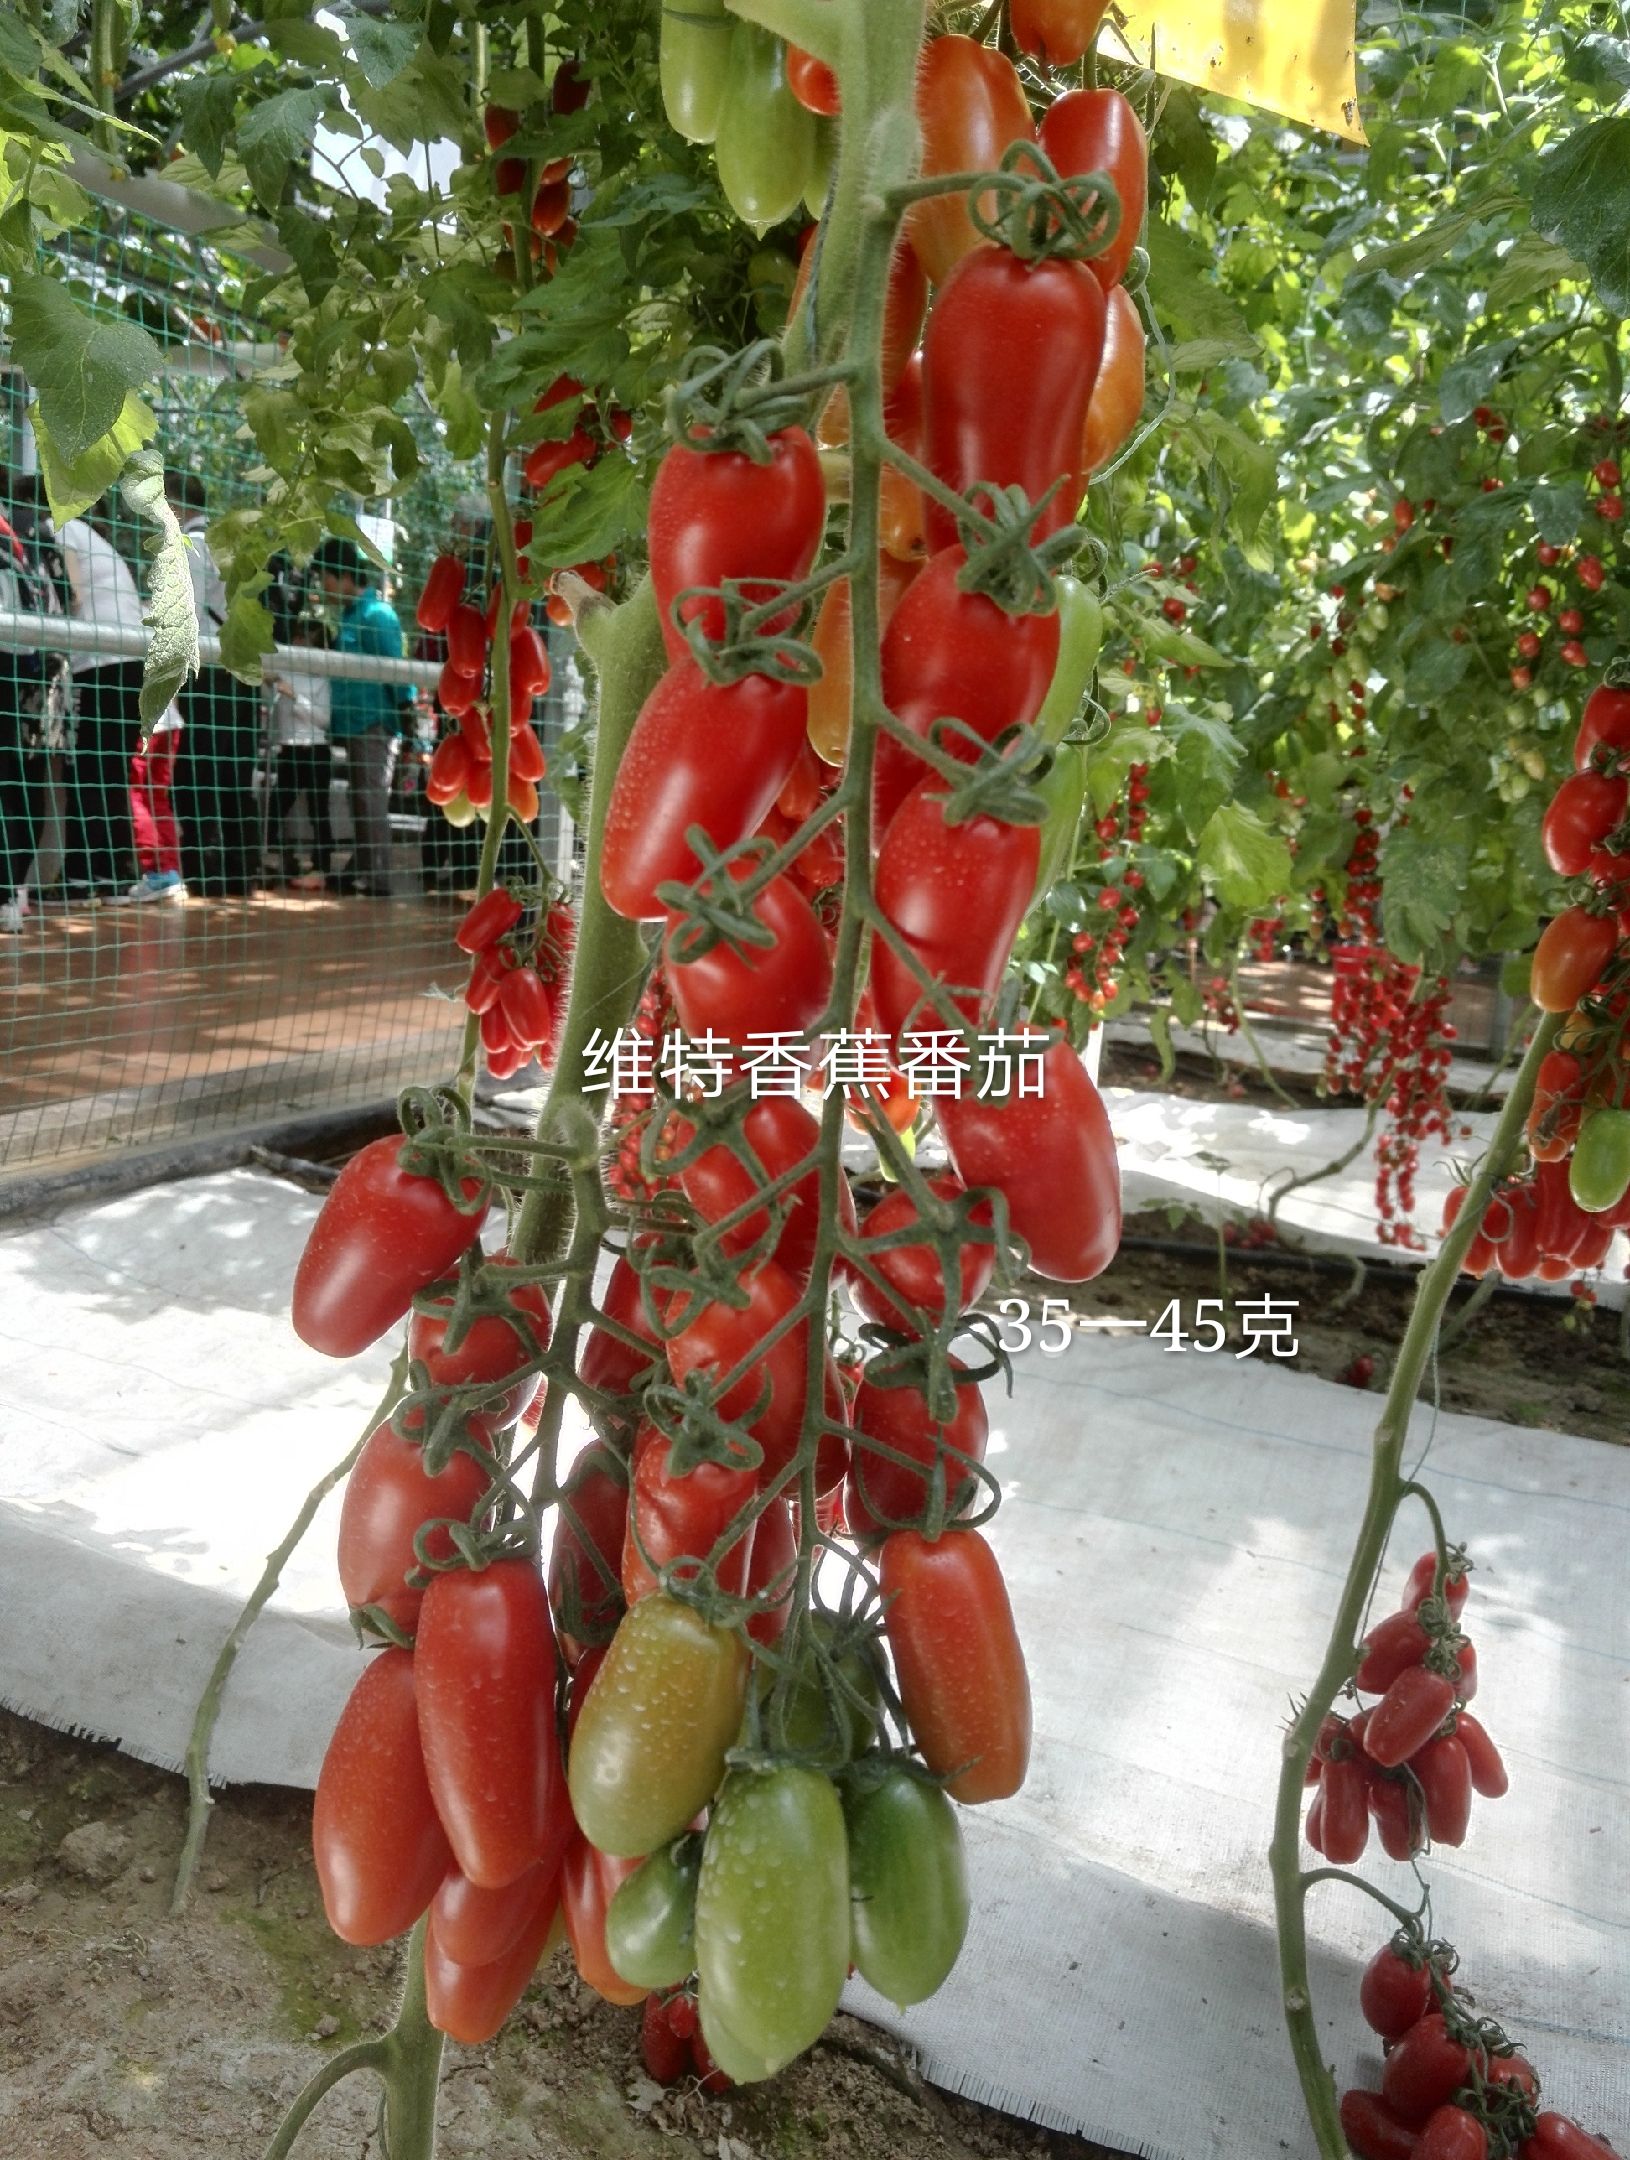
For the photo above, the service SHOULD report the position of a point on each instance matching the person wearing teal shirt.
(365, 716)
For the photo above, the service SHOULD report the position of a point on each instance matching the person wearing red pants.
(158, 842)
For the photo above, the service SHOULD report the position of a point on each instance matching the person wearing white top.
(305, 761)
(107, 707)
(215, 779)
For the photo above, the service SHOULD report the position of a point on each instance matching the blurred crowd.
(231, 789)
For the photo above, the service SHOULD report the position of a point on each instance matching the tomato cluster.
(1411, 1761)
(461, 781)
(1558, 1219)
(518, 977)
(1453, 2087)
(519, 147)
(1119, 832)
(1390, 1040)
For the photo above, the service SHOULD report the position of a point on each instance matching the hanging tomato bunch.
(517, 977)
(1453, 2086)
(460, 780)
(1558, 1219)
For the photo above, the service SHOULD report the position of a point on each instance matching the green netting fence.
(285, 948)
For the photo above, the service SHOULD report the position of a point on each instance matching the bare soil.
(128, 2035)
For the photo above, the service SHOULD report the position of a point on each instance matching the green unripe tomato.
(1080, 640)
(772, 1919)
(1064, 790)
(908, 1884)
(766, 139)
(693, 57)
(1599, 1174)
(651, 1920)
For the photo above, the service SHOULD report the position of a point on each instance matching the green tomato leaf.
(82, 367)
(382, 48)
(1423, 874)
(274, 136)
(1237, 855)
(73, 484)
(1581, 200)
(1559, 510)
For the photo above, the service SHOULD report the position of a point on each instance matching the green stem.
(1387, 1489)
(625, 644)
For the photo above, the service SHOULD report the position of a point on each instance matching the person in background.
(305, 762)
(366, 717)
(215, 778)
(107, 704)
(158, 843)
(34, 696)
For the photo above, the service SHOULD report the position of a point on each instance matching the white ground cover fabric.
(1175, 1533)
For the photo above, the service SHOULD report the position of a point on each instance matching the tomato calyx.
(994, 525)
(738, 401)
(746, 644)
(436, 1136)
(1041, 217)
(717, 907)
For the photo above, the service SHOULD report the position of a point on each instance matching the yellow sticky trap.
(1297, 60)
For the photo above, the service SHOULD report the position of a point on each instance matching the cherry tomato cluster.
(1453, 2086)
(1411, 1761)
(461, 781)
(1390, 1040)
(517, 977)
(1119, 831)
(517, 143)
(628, 1178)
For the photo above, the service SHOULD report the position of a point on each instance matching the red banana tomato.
(1581, 814)
(589, 1880)
(1423, 1583)
(682, 1517)
(442, 590)
(1057, 32)
(1604, 726)
(812, 82)
(491, 1348)
(961, 1671)
(1408, 1714)
(494, 914)
(1372, 2130)
(956, 896)
(485, 1659)
(1445, 1777)
(972, 105)
(1572, 951)
(1394, 1992)
(1117, 395)
(382, 1234)
(606, 1361)
(662, 1710)
(1488, 1771)
(777, 1133)
(716, 514)
(1452, 2133)
(1425, 2069)
(1098, 131)
(1559, 1102)
(772, 1571)
(703, 754)
(1559, 1221)
(585, 1559)
(717, 1338)
(778, 988)
(389, 1498)
(996, 321)
(1516, 1253)
(377, 1840)
(1559, 2137)
(913, 1273)
(470, 2002)
(1390, 1647)
(1052, 1156)
(473, 1927)
(882, 1494)
(1395, 1817)
(949, 653)
(1345, 1817)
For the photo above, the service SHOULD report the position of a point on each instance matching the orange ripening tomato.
(831, 699)
(1056, 31)
(1117, 395)
(902, 517)
(1572, 952)
(963, 1683)
(972, 105)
